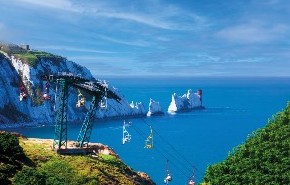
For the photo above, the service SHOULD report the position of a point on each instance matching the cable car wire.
(175, 150)
(162, 153)
(157, 149)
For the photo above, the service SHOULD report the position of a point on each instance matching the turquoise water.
(235, 107)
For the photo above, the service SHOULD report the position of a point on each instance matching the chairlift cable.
(175, 150)
(168, 153)
(181, 170)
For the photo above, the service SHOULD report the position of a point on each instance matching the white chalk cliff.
(186, 102)
(16, 71)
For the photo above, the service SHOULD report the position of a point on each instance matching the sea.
(185, 143)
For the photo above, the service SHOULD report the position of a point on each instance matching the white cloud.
(77, 49)
(143, 19)
(53, 4)
(140, 43)
(253, 33)
(161, 16)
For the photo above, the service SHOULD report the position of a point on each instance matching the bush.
(28, 176)
(9, 146)
(4, 179)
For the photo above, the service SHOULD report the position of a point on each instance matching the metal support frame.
(60, 134)
(95, 88)
(86, 130)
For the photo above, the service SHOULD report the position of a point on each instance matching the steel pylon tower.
(60, 134)
(87, 126)
(97, 89)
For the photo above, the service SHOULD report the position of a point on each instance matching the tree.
(9, 146)
(262, 159)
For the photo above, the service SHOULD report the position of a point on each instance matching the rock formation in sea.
(186, 102)
(23, 68)
(154, 108)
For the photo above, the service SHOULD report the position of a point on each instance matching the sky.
(156, 37)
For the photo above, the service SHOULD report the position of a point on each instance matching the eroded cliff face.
(10, 108)
(17, 72)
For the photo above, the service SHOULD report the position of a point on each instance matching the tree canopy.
(262, 159)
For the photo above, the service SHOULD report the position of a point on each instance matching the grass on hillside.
(33, 57)
(104, 169)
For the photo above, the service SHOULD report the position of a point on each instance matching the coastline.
(37, 124)
(21, 124)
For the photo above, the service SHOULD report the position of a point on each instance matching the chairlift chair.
(149, 140)
(22, 96)
(168, 177)
(104, 101)
(191, 182)
(46, 96)
(191, 179)
(23, 93)
(126, 136)
(81, 100)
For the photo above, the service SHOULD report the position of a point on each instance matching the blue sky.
(156, 37)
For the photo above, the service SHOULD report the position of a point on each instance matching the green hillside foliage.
(11, 157)
(25, 162)
(28, 57)
(263, 159)
(32, 58)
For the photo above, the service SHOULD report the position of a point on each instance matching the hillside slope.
(31, 161)
(262, 159)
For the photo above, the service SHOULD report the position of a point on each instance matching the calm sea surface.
(190, 141)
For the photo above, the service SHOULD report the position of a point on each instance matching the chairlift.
(191, 182)
(23, 93)
(55, 98)
(22, 96)
(149, 140)
(168, 177)
(104, 101)
(81, 100)
(191, 179)
(46, 96)
(126, 136)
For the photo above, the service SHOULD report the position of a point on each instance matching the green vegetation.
(31, 161)
(10, 156)
(28, 176)
(37, 99)
(9, 146)
(28, 57)
(33, 57)
(262, 159)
